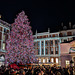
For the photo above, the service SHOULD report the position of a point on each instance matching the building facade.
(4, 29)
(51, 48)
(68, 54)
(48, 48)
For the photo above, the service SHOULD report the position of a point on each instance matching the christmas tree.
(20, 45)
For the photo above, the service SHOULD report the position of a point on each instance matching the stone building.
(48, 45)
(67, 53)
(4, 29)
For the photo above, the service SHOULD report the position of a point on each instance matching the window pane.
(51, 50)
(52, 60)
(51, 42)
(46, 51)
(56, 41)
(42, 43)
(39, 60)
(5, 30)
(42, 51)
(3, 46)
(43, 60)
(38, 51)
(3, 37)
(56, 60)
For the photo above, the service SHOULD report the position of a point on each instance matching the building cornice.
(3, 23)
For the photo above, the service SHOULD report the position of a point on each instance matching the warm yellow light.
(0, 16)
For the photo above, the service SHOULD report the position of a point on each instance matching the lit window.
(56, 60)
(52, 60)
(3, 46)
(39, 60)
(3, 37)
(67, 62)
(47, 60)
(43, 60)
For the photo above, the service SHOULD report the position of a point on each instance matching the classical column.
(59, 47)
(40, 48)
(2, 42)
(44, 47)
(54, 47)
(59, 61)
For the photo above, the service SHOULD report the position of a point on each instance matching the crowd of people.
(38, 70)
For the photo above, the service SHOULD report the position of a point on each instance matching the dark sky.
(42, 14)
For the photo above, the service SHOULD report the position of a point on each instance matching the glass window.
(56, 50)
(51, 50)
(46, 43)
(46, 51)
(42, 51)
(47, 60)
(38, 51)
(67, 62)
(64, 34)
(5, 30)
(3, 37)
(51, 42)
(42, 43)
(52, 60)
(56, 60)
(35, 44)
(39, 60)
(56, 42)
(3, 46)
(43, 60)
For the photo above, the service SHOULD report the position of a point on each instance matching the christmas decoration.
(20, 45)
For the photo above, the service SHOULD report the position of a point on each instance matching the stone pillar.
(54, 47)
(59, 60)
(44, 47)
(40, 48)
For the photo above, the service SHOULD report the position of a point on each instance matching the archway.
(2, 59)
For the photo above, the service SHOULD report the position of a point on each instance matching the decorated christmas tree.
(20, 45)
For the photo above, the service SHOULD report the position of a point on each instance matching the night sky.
(42, 14)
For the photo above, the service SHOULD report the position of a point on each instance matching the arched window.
(57, 60)
(2, 58)
(52, 60)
